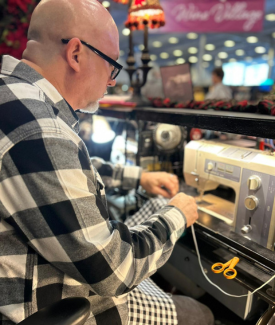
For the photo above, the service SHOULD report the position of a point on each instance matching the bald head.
(79, 74)
(52, 20)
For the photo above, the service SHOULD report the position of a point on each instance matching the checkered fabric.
(56, 239)
(149, 208)
(148, 304)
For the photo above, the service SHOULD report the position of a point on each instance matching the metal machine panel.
(223, 170)
(260, 218)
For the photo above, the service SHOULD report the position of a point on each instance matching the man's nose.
(111, 83)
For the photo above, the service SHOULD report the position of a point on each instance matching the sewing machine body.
(250, 173)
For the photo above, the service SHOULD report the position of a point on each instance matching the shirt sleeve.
(213, 94)
(125, 177)
(50, 194)
(219, 91)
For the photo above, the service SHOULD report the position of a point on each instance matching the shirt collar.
(16, 68)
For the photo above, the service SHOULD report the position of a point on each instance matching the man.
(56, 237)
(219, 90)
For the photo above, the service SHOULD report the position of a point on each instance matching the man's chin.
(91, 108)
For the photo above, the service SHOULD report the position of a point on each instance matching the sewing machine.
(250, 173)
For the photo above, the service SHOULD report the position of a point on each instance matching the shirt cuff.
(181, 213)
(177, 218)
(131, 177)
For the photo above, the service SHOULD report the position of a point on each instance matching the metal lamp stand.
(141, 72)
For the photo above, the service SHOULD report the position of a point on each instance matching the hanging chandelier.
(142, 15)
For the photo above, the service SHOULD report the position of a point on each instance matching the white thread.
(228, 294)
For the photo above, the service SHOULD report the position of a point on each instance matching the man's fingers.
(174, 179)
(163, 193)
(171, 187)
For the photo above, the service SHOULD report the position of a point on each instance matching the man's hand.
(160, 183)
(187, 204)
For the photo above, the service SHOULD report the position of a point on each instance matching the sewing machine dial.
(251, 202)
(246, 229)
(254, 182)
(210, 166)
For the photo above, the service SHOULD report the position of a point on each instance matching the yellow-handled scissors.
(230, 272)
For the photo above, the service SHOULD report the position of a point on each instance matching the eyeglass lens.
(114, 73)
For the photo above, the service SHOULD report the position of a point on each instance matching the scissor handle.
(234, 262)
(219, 267)
(230, 274)
(231, 269)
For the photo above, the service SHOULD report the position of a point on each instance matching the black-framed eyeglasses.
(117, 66)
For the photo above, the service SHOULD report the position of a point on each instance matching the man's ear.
(73, 52)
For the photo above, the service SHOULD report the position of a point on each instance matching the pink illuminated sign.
(213, 15)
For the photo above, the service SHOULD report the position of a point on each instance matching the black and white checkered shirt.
(56, 239)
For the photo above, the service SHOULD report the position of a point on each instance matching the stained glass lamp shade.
(124, 2)
(145, 12)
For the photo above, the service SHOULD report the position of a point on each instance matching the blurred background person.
(219, 90)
